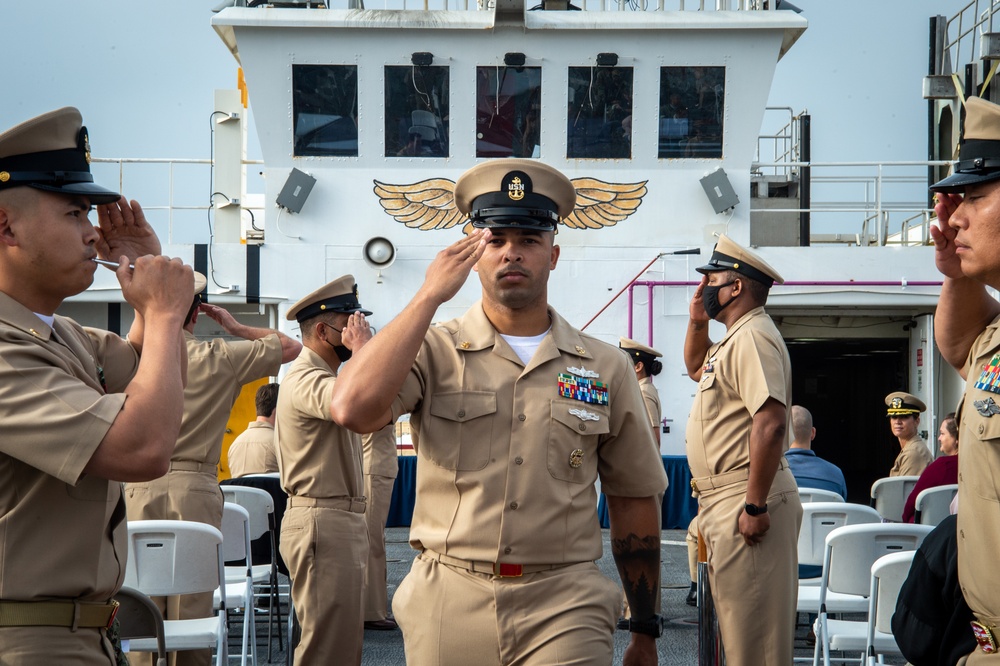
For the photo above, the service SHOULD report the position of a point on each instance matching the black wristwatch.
(754, 510)
(652, 626)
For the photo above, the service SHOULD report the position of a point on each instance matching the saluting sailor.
(517, 414)
(748, 503)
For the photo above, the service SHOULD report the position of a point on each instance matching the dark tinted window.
(416, 111)
(508, 111)
(692, 107)
(600, 112)
(325, 109)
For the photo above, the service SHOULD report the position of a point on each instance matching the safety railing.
(975, 18)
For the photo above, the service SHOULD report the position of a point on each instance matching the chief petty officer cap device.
(515, 194)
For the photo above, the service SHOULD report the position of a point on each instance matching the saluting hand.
(450, 268)
(943, 234)
(356, 332)
(125, 231)
(221, 316)
(696, 310)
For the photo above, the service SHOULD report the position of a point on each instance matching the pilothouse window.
(600, 112)
(325, 110)
(416, 111)
(508, 111)
(692, 106)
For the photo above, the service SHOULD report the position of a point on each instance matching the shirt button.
(981, 428)
(461, 413)
(506, 551)
(521, 417)
(582, 427)
(518, 460)
(513, 506)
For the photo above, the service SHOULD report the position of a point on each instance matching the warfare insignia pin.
(989, 380)
(986, 407)
(583, 372)
(583, 389)
(4, 176)
(584, 415)
(576, 458)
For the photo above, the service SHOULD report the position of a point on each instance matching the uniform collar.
(22, 318)
(800, 452)
(475, 333)
(314, 359)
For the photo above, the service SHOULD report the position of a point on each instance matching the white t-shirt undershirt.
(525, 348)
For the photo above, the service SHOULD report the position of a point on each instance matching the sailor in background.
(748, 504)
(381, 468)
(252, 452)
(903, 411)
(967, 331)
(68, 440)
(324, 538)
(516, 415)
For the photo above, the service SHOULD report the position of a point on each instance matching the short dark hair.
(757, 289)
(194, 308)
(308, 326)
(266, 399)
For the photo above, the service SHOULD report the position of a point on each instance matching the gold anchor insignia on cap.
(515, 190)
(897, 403)
(465, 344)
(576, 458)
(4, 176)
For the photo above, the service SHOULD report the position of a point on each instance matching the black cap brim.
(95, 193)
(957, 182)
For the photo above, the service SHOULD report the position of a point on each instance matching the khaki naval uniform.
(754, 587)
(62, 533)
(651, 398)
(324, 539)
(979, 494)
(913, 458)
(252, 452)
(505, 484)
(216, 372)
(381, 467)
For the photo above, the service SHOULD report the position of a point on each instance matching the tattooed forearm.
(638, 561)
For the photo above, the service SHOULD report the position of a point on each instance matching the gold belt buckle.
(694, 485)
(984, 636)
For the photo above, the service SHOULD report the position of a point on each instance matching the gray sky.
(143, 73)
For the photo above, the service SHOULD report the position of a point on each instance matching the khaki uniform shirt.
(379, 449)
(507, 462)
(912, 459)
(978, 469)
(216, 372)
(748, 366)
(651, 398)
(62, 533)
(252, 452)
(318, 458)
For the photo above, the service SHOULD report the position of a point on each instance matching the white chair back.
(235, 533)
(888, 574)
(934, 504)
(821, 518)
(167, 557)
(258, 503)
(851, 550)
(889, 496)
(818, 495)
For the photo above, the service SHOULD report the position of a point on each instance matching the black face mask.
(344, 354)
(710, 297)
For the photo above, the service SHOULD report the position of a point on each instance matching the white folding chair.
(138, 617)
(168, 557)
(260, 505)
(934, 504)
(850, 553)
(239, 592)
(818, 520)
(889, 496)
(818, 495)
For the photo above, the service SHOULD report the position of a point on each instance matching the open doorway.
(843, 382)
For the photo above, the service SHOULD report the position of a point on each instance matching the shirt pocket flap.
(462, 406)
(580, 417)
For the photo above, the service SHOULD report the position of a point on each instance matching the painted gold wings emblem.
(430, 204)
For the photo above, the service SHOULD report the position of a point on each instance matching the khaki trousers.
(754, 587)
(453, 617)
(692, 547)
(378, 490)
(179, 495)
(326, 551)
(31, 646)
